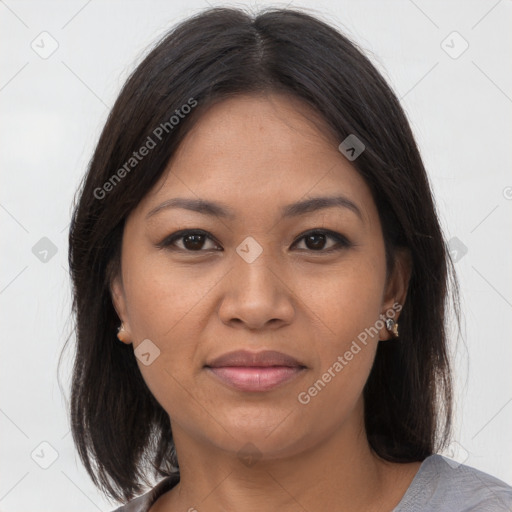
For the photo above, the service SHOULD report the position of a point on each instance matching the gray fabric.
(441, 485)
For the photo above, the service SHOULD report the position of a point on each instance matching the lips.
(250, 371)
(255, 359)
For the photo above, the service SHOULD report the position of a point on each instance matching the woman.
(257, 229)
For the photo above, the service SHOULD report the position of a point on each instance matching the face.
(258, 275)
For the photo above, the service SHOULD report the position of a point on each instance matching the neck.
(340, 473)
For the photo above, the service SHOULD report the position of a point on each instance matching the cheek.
(161, 294)
(347, 299)
(165, 304)
(347, 305)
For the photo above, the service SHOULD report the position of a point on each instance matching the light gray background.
(53, 109)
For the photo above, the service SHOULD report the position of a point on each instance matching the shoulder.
(144, 502)
(444, 484)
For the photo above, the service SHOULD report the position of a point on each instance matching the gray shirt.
(440, 485)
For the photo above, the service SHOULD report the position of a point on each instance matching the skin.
(256, 154)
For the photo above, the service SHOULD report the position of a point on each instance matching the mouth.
(260, 371)
(252, 378)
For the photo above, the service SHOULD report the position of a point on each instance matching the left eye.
(316, 240)
(194, 241)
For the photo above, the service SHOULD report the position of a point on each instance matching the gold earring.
(392, 326)
(120, 331)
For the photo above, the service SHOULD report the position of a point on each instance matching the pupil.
(197, 241)
(318, 241)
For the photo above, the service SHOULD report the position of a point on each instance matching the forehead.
(260, 152)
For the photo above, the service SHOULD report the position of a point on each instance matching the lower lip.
(249, 378)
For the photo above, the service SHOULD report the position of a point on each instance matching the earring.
(392, 326)
(120, 331)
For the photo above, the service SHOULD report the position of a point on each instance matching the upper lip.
(256, 359)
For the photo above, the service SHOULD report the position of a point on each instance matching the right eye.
(192, 240)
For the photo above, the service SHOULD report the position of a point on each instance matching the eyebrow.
(292, 210)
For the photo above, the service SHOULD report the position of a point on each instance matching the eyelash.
(342, 242)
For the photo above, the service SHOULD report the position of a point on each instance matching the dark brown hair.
(120, 430)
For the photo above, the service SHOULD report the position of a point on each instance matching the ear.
(119, 302)
(395, 292)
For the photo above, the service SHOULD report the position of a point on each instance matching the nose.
(256, 295)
